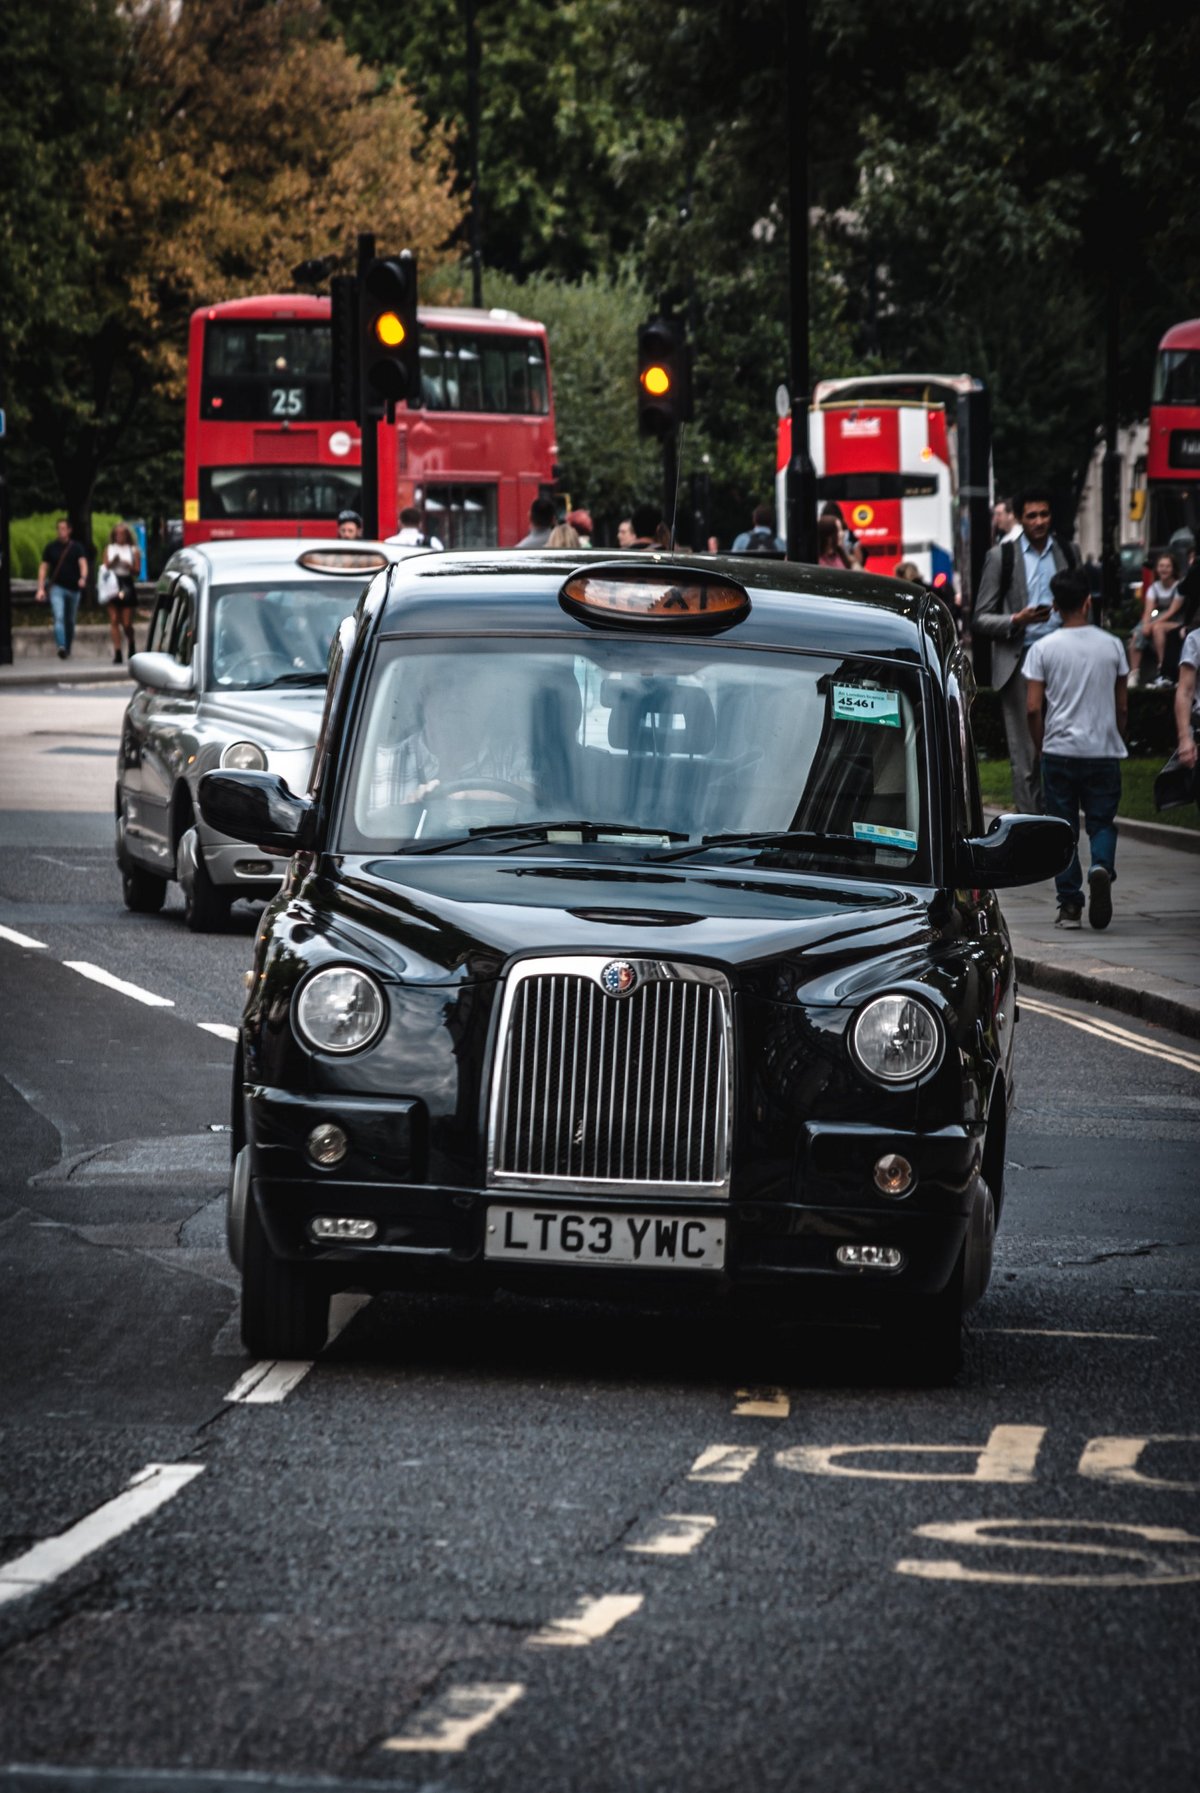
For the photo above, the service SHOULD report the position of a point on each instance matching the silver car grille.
(628, 1093)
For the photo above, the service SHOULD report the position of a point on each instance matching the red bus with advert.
(1173, 452)
(891, 451)
(265, 456)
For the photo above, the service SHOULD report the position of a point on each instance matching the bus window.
(462, 516)
(463, 372)
(266, 371)
(1177, 377)
(266, 491)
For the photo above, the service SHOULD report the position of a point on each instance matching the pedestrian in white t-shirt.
(1187, 698)
(1077, 708)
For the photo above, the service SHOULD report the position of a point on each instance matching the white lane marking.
(45, 1562)
(22, 940)
(1116, 1036)
(267, 1382)
(594, 1618)
(1051, 1332)
(678, 1535)
(99, 976)
(1116, 1460)
(762, 1403)
(1010, 1455)
(449, 1724)
(220, 1030)
(723, 1463)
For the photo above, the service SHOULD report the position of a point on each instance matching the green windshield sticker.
(860, 703)
(885, 837)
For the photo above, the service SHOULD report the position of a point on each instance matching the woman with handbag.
(118, 574)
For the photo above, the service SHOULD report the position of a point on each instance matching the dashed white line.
(723, 1463)
(678, 1534)
(220, 1030)
(16, 939)
(449, 1723)
(45, 1562)
(1050, 1332)
(98, 975)
(594, 1619)
(269, 1381)
(762, 1403)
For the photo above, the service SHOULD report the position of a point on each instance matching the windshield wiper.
(776, 837)
(590, 832)
(290, 678)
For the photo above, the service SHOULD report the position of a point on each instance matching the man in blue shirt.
(760, 538)
(1012, 611)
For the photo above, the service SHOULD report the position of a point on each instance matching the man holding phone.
(1013, 610)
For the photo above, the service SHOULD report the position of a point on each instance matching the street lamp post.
(801, 474)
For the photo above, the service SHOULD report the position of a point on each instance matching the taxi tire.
(205, 906)
(285, 1308)
(144, 892)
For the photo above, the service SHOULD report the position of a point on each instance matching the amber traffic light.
(664, 388)
(389, 335)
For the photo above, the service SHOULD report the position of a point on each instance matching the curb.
(1141, 1005)
(1151, 834)
(54, 671)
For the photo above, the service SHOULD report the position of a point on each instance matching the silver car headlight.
(244, 756)
(339, 1010)
(896, 1038)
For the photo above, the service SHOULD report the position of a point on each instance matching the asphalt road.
(542, 1546)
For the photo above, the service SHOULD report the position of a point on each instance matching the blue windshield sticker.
(862, 703)
(885, 837)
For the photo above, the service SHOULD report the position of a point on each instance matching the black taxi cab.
(639, 936)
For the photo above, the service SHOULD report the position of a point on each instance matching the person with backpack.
(412, 532)
(760, 538)
(1012, 611)
(62, 578)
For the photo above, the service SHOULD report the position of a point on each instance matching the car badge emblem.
(618, 978)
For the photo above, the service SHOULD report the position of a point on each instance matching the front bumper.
(435, 1234)
(232, 863)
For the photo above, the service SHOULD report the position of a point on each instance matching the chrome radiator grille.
(631, 1091)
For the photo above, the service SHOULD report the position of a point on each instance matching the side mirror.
(162, 673)
(1015, 850)
(257, 807)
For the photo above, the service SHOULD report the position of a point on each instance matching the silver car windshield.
(267, 634)
(641, 748)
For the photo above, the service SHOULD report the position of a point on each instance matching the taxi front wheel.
(285, 1308)
(205, 907)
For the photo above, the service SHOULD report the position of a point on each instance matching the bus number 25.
(287, 401)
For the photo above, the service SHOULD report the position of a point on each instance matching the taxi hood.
(282, 718)
(461, 921)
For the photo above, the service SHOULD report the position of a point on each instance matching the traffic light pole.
(670, 459)
(801, 474)
(369, 425)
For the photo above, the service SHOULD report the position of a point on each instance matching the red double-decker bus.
(264, 454)
(1173, 453)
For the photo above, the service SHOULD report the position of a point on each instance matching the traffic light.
(343, 348)
(389, 344)
(664, 379)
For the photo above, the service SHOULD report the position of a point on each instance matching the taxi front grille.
(631, 1092)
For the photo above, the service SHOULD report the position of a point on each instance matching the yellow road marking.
(595, 1618)
(678, 1535)
(723, 1463)
(762, 1403)
(448, 1725)
(1116, 1460)
(1116, 1036)
(1009, 1455)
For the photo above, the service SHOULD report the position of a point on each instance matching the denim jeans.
(63, 604)
(1093, 786)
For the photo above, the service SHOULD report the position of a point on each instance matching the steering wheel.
(501, 787)
(235, 670)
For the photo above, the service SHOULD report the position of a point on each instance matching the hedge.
(29, 535)
(1152, 730)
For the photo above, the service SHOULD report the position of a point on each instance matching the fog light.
(870, 1257)
(327, 1144)
(893, 1174)
(254, 868)
(342, 1226)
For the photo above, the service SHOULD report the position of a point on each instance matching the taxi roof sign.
(343, 560)
(648, 593)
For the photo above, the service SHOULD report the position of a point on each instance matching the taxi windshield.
(629, 748)
(271, 634)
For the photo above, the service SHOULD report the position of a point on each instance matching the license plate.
(581, 1236)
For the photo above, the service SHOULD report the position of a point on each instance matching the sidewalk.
(1146, 962)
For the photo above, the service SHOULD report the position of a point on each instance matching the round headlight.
(244, 756)
(339, 1010)
(896, 1038)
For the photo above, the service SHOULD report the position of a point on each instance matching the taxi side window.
(964, 770)
(181, 640)
(156, 641)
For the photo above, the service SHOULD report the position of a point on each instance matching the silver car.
(233, 675)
